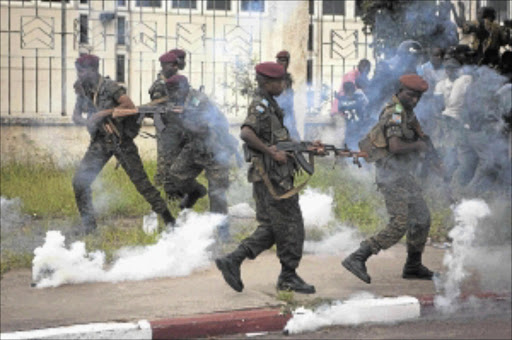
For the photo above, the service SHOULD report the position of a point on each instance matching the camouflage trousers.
(169, 143)
(280, 223)
(99, 152)
(408, 215)
(189, 163)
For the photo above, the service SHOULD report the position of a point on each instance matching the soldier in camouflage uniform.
(395, 143)
(271, 173)
(167, 144)
(207, 145)
(110, 136)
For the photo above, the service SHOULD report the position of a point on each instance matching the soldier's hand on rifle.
(279, 156)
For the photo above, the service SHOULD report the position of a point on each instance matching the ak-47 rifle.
(346, 152)
(298, 149)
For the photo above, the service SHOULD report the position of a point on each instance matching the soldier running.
(395, 143)
(271, 173)
(110, 136)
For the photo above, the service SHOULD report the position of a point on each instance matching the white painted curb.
(140, 330)
(354, 312)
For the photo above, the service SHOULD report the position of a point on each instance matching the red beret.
(270, 69)
(283, 54)
(179, 53)
(177, 80)
(414, 82)
(168, 57)
(88, 60)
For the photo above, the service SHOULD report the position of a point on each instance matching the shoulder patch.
(260, 108)
(396, 118)
(264, 102)
(399, 108)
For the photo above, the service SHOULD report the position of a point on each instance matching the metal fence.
(42, 38)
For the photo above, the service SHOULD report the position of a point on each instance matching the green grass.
(47, 194)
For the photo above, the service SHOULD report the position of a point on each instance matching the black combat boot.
(190, 199)
(355, 262)
(229, 265)
(414, 270)
(168, 218)
(289, 280)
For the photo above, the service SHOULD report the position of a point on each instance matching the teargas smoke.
(361, 308)
(177, 253)
(317, 211)
(468, 215)
(316, 207)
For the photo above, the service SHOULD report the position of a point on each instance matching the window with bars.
(121, 3)
(252, 5)
(184, 3)
(148, 3)
(120, 71)
(223, 5)
(121, 30)
(333, 7)
(84, 29)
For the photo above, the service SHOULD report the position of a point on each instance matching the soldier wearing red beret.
(285, 100)
(166, 148)
(111, 135)
(272, 176)
(181, 57)
(395, 144)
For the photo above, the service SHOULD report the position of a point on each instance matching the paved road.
(483, 320)
(25, 308)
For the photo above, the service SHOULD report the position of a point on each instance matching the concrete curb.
(197, 326)
(201, 326)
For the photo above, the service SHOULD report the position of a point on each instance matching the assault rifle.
(346, 152)
(298, 149)
(145, 110)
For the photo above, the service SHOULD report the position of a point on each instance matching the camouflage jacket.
(106, 96)
(265, 118)
(207, 128)
(394, 121)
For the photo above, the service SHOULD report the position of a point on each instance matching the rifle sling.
(259, 166)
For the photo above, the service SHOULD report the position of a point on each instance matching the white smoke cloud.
(467, 216)
(344, 240)
(316, 208)
(361, 308)
(177, 253)
(317, 211)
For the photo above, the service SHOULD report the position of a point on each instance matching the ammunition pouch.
(374, 144)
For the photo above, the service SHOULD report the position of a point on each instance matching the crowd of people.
(466, 109)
